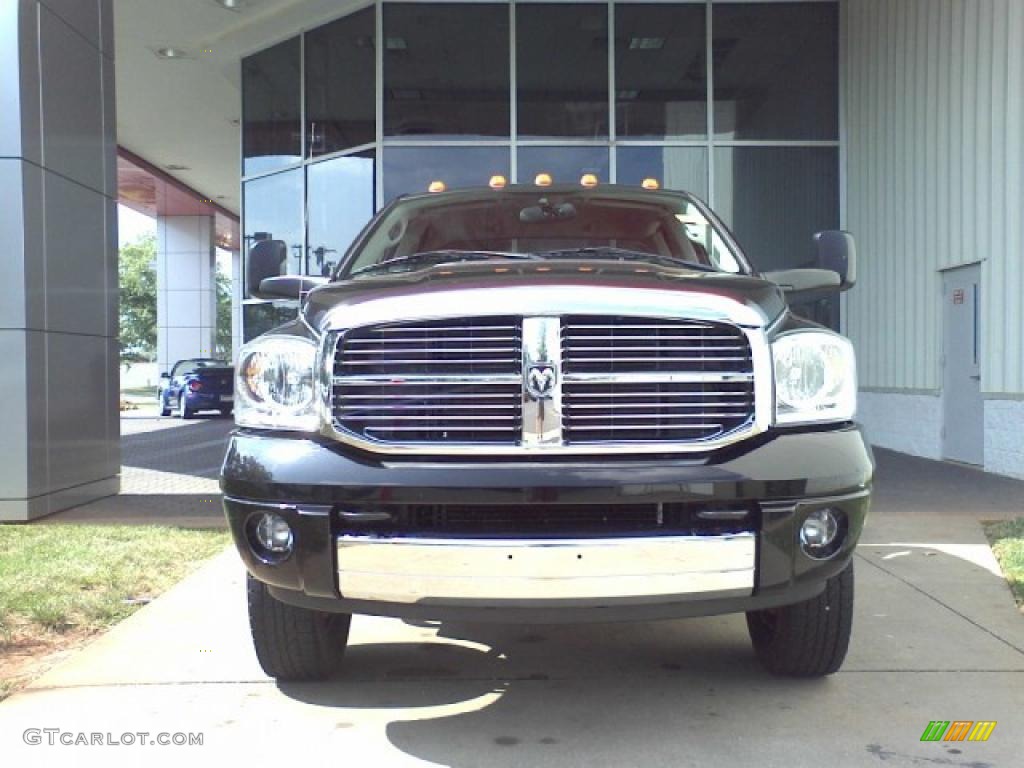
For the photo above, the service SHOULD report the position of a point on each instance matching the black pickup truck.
(549, 404)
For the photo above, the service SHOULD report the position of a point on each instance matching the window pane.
(562, 70)
(565, 164)
(273, 219)
(776, 71)
(271, 106)
(660, 74)
(339, 202)
(446, 70)
(684, 169)
(409, 170)
(340, 85)
(774, 199)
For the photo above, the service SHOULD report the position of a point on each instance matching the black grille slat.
(540, 520)
(377, 395)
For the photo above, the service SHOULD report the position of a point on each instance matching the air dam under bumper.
(425, 571)
(784, 475)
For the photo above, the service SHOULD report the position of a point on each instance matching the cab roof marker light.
(437, 186)
(650, 183)
(543, 180)
(588, 180)
(497, 182)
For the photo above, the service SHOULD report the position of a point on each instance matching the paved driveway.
(936, 637)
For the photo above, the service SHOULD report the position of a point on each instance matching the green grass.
(57, 578)
(140, 392)
(1007, 539)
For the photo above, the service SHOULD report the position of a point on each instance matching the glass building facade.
(737, 102)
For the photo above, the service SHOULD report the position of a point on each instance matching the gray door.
(963, 430)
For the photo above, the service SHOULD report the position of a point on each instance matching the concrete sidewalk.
(936, 637)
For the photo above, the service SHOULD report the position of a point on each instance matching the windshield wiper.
(624, 254)
(439, 257)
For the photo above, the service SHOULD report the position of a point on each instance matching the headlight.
(275, 386)
(815, 378)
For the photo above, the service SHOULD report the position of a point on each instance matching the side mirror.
(837, 252)
(266, 259)
(165, 375)
(292, 287)
(836, 270)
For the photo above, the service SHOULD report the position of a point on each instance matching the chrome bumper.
(438, 571)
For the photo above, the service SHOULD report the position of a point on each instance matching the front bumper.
(603, 570)
(784, 476)
(204, 401)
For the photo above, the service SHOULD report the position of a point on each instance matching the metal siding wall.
(934, 104)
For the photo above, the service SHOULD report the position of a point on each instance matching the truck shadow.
(491, 694)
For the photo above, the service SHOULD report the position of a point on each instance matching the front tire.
(292, 643)
(807, 639)
(165, 409)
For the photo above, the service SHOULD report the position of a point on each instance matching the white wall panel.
(934, 104)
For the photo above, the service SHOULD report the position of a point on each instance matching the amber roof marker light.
(437, 186)
(497, 182)
(588, 180)
(543, 180)
(650, 183)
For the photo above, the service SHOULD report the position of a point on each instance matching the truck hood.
(562, 287)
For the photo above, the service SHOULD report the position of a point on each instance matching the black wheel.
(226, 412)
(165, 409)
(808, 639)
(295, 643)
(184, 412)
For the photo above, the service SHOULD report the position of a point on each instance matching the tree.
(137, 277)
(223, 341)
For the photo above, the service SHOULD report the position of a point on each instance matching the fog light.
(273, 534)
(819, 533)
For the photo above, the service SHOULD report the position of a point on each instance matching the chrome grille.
(636, 380)
(449, 386)
(452, 380)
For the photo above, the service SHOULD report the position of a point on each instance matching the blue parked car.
(200, 384)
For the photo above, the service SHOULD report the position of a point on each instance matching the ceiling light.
(231, 5)
(646, 43)
(171, 53)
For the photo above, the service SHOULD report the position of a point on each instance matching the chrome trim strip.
(648, 303)
(413, 378)
(435, 571)
(542, 365)
(658, 377)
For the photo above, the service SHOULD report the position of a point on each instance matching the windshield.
(425, 231)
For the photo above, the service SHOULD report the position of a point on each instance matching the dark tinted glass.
(565, 164)
(776, 70)
(660, 73)
(273, 219)
(684, 169)
(410, 170)
(340, 84)
(446, 70)
(339, 202)
(562, 70)
(774, 199)
(271, 107)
